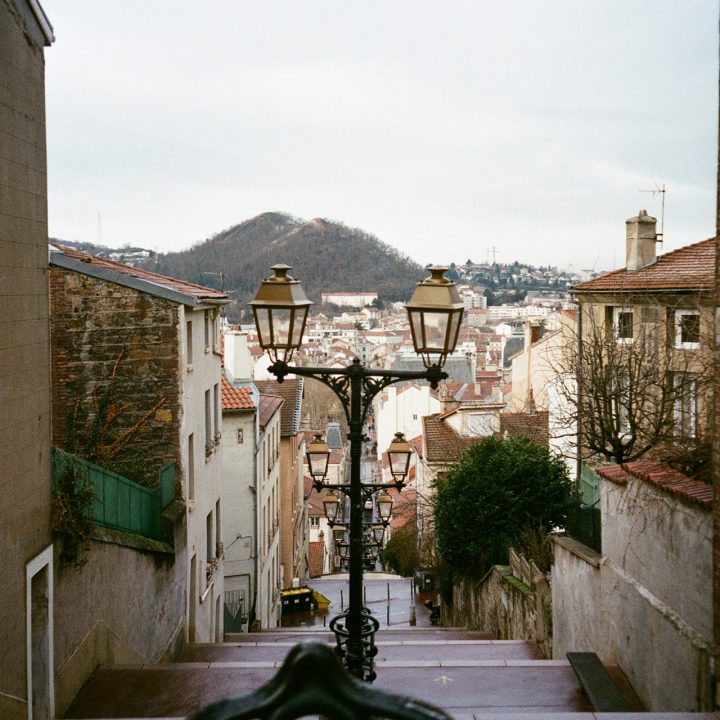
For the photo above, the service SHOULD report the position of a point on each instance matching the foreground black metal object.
(312, 681)
(356, 386)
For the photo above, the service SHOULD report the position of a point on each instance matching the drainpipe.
(578, 460)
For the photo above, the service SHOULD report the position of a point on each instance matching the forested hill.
(325, 256)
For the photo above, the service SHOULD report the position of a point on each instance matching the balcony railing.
(583, 524)
(119, 503)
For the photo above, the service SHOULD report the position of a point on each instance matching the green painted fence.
(119, 503)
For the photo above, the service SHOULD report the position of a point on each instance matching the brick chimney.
(238, 360)
(641, 238)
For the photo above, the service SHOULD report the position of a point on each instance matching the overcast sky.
(444, 128)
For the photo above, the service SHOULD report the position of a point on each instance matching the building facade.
(27, 567)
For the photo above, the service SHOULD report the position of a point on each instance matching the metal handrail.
(312, 681)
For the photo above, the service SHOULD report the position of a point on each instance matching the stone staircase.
(465, 673)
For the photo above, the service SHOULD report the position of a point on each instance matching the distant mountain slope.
(325, 256)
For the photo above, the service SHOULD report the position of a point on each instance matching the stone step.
(461, 688)
(399, 648)
(384, 634)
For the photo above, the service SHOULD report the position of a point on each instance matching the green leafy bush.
(498, 490)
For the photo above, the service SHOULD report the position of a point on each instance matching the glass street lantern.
(384, 505)
(435, 312)
(378, 532)
(331, 503)
(280, 309)
(318, 457)
(339, 534)
(343, 550)
(399, 457)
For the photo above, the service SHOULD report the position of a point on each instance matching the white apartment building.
(201, 433)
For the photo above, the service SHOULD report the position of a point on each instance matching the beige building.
(27, 567)
(649, 327)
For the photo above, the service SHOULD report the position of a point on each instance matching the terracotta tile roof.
(662, 477)
(269, 405)
(442, 443)
(236, 398)
(198, 292)
(291, 391)
(404, 510)
(535, 427)
(688, 268)
(316, 550)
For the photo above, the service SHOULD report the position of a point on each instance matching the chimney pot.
(640, 245)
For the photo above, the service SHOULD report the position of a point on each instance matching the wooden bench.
(601, 690)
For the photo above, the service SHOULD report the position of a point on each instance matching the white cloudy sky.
(444, 128)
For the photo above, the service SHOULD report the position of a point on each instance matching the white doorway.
(39, 636)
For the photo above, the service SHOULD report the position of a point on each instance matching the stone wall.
(646, 603)
(511, 602)
(24, 346)
(100, 329)
(93, 606)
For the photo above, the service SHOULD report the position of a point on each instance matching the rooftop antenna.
(659, 237)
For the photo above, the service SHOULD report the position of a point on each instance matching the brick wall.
(94, 322)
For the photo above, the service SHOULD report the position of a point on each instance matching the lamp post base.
(359, 661)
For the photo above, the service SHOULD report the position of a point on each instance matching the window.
(206, 315)
(191, 466)
(314, 521)
(621, 398)
(218, 530)
(687, 329)
(216, 412)
(623, 324)
(189, 342)
(208, 424)
(685, 405)
(240, 436)
(209, 536)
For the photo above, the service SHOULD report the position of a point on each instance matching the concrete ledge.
(579, 550)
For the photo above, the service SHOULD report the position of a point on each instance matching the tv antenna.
(659, 237)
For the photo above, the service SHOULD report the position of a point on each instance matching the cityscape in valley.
(489, 485)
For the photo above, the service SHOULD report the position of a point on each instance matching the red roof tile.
(269, 405)
(234, 398)
(688, 268)
(442, 442)
(182, 286)
(662, 477)
(535, 426)
(290, 390)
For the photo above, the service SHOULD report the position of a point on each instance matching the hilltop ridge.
(327, 256)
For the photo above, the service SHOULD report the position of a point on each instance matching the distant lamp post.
(399, 457)
(378, 531)
(384, 506)
(318, 457)
(331, 504)
(435, 313)
(338, 534)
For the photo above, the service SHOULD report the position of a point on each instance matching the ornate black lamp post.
(435, 313)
